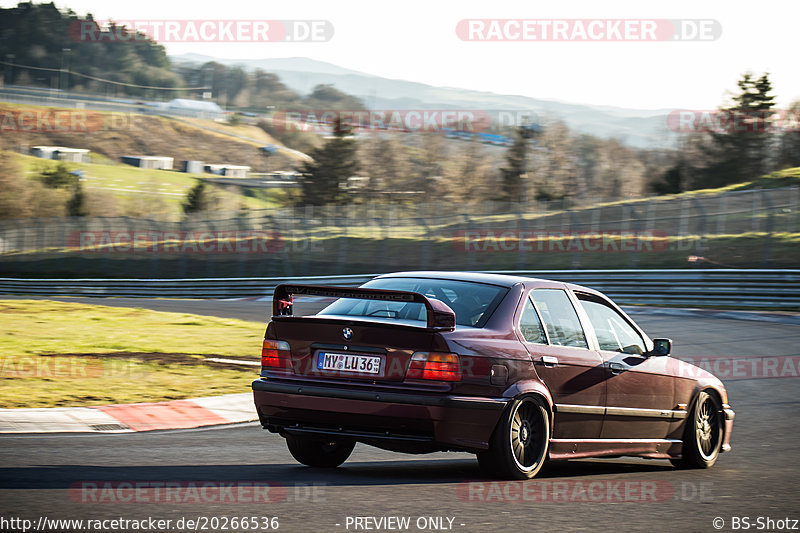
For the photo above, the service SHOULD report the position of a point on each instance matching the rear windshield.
(472, 302)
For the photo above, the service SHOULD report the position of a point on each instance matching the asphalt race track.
(85, 476)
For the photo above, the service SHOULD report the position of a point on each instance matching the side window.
(530, 326)
(560, 318)
(614, 334)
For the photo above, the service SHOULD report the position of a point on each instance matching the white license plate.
(340, 362)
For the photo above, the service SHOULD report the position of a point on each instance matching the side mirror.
(661, 347)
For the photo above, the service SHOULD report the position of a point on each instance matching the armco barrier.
(735, 288)
(742, 289)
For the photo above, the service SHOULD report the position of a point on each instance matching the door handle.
(549, 360)
(616, 368)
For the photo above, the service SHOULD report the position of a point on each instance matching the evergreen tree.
(76, 205)
(742, 151)
(59, 177)
(322, 179)
(197, 199)
(517, 166)
(672, 181)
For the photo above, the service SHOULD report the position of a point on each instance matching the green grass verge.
(55, 354)
(124, 182)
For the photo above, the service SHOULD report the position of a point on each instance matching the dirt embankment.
(116, 134)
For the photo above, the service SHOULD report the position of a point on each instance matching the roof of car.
(503, 280)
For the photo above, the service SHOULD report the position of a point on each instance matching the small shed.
(193, 167)
(229, 171)
(61, 153)
(148, 161)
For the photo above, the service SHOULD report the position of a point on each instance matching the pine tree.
(672, 181)
(742, 151)
(76, 205)
(517, 166)
(197, 199)
(334, 162)
(59, 177)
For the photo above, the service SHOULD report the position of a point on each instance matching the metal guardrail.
(732, 288)
(167, 288)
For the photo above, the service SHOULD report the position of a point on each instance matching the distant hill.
(640, 128)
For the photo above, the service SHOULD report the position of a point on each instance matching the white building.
(229, 171)
(148, 161)
(61, 153)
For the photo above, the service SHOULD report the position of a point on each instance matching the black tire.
(518, 447)
(319, 452)
(702, 439)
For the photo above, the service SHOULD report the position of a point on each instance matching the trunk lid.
(343, 348)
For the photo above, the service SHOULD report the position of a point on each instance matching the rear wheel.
(319, 452)
(702, 439)
(518, 447)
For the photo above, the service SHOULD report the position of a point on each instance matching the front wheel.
(702, 439)
(518, 447)
(319, 452)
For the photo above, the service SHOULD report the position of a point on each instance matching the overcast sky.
(416, 40)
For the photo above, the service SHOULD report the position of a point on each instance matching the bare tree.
(384, 161)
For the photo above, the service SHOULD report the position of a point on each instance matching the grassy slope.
(61, 354)
(124, 181)
(116, 134)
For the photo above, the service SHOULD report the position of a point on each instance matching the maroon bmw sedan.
(516, 370)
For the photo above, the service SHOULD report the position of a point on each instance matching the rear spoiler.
(440, 316)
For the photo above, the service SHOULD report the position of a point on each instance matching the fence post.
(522, 225)
(795, 207)
(767, 249)
(425, 249)
(381, 264)
(275, 232)
(470, 256)
(156, 238)
(722, 213)
(211, 259)
(343, 240)
(637, 233)
(575, 260)
(700, 246)
(241, 225)
(182, 257)
(756, 208)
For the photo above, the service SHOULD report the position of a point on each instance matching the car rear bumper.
(445, 421)
(729, 416)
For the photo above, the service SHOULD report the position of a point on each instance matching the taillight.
(435, 366)
(276, 354)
